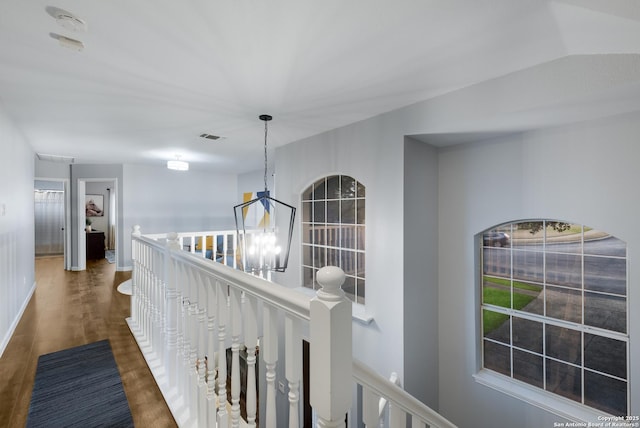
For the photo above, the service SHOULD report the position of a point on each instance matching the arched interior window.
(333, 232)
(554, 310)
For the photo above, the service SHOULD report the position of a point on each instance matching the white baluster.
(211, 352)
(251, 341)
(236, 329)
(331, 341)
(179, 361)
(192, 325)
(269, 353)
(135, 277)
(171, 312)
(397, 417)
(223, 314)
(370, 410)
(417, 423)
(202, 334)
(293, 358)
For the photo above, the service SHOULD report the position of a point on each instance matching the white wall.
(161, 200)
(371, 153)
(585, 173)
(17, 248)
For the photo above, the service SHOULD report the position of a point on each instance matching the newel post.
(330, 348)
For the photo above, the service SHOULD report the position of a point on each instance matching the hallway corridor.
(70, 309)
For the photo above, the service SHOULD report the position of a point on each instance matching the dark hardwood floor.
(70, 309)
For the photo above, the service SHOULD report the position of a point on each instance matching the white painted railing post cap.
(136, 230)
(330, 278)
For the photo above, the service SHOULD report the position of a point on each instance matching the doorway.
(97, 193)
(51, 219)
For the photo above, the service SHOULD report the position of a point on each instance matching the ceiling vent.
(210, 136)
(55, 158)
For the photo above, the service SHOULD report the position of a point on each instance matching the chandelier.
(265, 227)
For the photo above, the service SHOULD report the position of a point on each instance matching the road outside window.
(554, 310)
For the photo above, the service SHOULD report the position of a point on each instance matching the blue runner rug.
(79, 387)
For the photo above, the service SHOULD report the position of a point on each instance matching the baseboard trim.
(14, 324)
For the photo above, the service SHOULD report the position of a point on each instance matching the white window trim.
(537, 397)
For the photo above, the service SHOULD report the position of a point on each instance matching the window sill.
(552, 403)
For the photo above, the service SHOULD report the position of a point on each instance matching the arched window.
(333, 229)
(554, 310)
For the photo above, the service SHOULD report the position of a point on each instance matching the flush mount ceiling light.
(264, 226)
(178, 165)
(68, 42)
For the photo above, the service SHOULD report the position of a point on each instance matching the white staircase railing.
(188, 312)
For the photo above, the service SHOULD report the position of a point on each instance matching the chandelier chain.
(265, 157)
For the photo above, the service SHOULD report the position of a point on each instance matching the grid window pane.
(319, 211)
(563, 344)
(348, 211)
(605, 393)
(527, 265)
(564, 379)
(496, 326)
(497, 357)
(307, 195)
(605, 355)
(360, 211)
(527, 334)
(333, 211)
(333, 228)
(563, 269)
(360, 290)
(349, 287)
(361, 265)
(347, 187)
(605, 311)
(360, 234)
(307, 212)
(528, 368)
(564, 304)
(545, 286)
(319, 189)
(497, 262)
(320, 235)
(605, 274)
(333, 187)
(307, 275)
(307, 255)
(597, 242)
(348, 237)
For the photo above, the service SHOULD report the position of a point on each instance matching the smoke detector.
(67, 20)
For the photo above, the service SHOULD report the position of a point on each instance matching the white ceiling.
(155, 74)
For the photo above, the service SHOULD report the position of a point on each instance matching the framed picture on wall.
(94, 205)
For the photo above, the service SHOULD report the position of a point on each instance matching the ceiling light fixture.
(68, 42)
(265, 228)
(178, 165)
